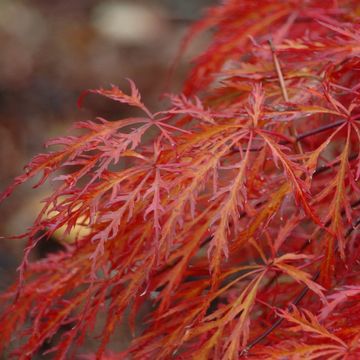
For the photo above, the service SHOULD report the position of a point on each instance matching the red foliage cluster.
(237, 222)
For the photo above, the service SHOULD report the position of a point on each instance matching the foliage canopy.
(237, 222)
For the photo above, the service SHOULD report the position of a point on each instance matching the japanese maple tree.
(237, 222)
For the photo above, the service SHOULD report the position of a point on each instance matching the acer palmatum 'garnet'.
(237, 223)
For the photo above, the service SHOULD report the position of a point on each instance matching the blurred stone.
(21, 21)
(22, 32)
(128, 23)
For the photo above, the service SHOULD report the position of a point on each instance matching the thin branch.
(304, 135)
(319, 130)
(324, 168)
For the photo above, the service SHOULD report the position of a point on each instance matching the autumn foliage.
(237, 222)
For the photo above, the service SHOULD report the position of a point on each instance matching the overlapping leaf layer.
(236, 223)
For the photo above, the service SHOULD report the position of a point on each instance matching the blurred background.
(50, 51)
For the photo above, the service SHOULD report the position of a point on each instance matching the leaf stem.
(285, 95)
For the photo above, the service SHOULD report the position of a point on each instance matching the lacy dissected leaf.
(201, 229)
(293, 172)
(308, 322)
(296, 273)
(337, 298)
